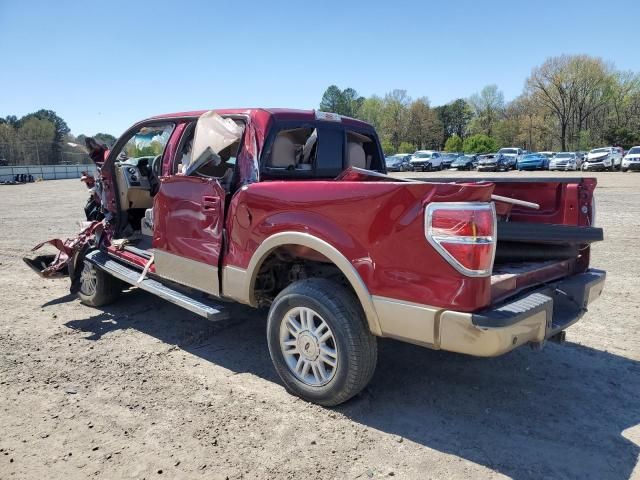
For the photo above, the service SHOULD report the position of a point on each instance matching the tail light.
(464, 234)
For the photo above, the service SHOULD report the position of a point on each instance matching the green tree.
(479, 143)
(453, 144)
(345, 102)
(387, 147)
(36, 141)
(60, 131)
(574, 88)
(395, 116)
(106, 139)
(487, 105)
(371, 112)
(8, 143)
(352, 102)
(424, 129)
(455, 117)
(332, 99)
(406, 147)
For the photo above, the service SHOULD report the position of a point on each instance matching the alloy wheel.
(308, 346)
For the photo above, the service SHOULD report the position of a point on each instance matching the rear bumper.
(532, 317)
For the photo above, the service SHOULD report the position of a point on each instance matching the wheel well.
(289, 263)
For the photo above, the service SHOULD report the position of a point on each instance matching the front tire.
(319, 342)
(96, 287)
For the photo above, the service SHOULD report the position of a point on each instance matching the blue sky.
(104, 65)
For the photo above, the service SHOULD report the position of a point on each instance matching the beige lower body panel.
(411, 322)
(459, 334)
(186, 271)
(453, 331)
(234, 284)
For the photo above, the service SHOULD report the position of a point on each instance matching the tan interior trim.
(186, 271)
(233, 279)
(408, 321)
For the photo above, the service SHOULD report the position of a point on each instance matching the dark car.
(449, 158)
(465, 162)
(398, 163)
(534, 161)
(493, 162)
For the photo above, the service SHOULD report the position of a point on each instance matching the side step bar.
(202, 306)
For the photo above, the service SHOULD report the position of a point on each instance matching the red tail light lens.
(464, 234)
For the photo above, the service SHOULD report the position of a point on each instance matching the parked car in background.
(449, 158)
(631, 160)
(400, 162)
(564, 161)
(605, 158)
(426, 160)
(534, 161)
(547, 154)
(465, 162)
(493, 162)
(513, 154)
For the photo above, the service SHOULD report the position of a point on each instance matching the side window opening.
(294, 149)
(223, 171)
(136, 168)
(362, 151)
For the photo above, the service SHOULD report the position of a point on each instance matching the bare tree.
(488, 106)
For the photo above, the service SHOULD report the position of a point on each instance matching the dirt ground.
(143, 389)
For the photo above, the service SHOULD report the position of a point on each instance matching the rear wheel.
(97, 287)
(319, 342)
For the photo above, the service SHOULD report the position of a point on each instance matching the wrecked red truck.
(293, 210)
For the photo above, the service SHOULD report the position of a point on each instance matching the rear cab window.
(319, 150)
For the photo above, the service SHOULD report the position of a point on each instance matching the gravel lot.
(143, 389)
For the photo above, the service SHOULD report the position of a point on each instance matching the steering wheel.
(154, 174)
(156, 165)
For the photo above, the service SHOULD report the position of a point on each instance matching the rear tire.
(97, 287)
(319, 341)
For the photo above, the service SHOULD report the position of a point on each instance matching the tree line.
(569, 102)
(42, 138)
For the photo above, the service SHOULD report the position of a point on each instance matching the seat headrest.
(283, 153)
(355, 155)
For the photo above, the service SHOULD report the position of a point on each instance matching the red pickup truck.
(294, 210)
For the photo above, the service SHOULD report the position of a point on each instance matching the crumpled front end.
(65, 262)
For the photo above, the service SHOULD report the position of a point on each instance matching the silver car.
(564, 161)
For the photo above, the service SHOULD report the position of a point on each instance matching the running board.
(202, 307)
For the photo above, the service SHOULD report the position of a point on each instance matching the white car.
(605, 158)
(549, 155)
(513, 154)
(426, 160)
(631, 160)
(564, 161)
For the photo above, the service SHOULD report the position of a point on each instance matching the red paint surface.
(377, 226)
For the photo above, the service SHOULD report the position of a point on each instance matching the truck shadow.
(561, 412)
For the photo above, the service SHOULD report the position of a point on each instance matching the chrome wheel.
(88, 279)
(308, 346)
